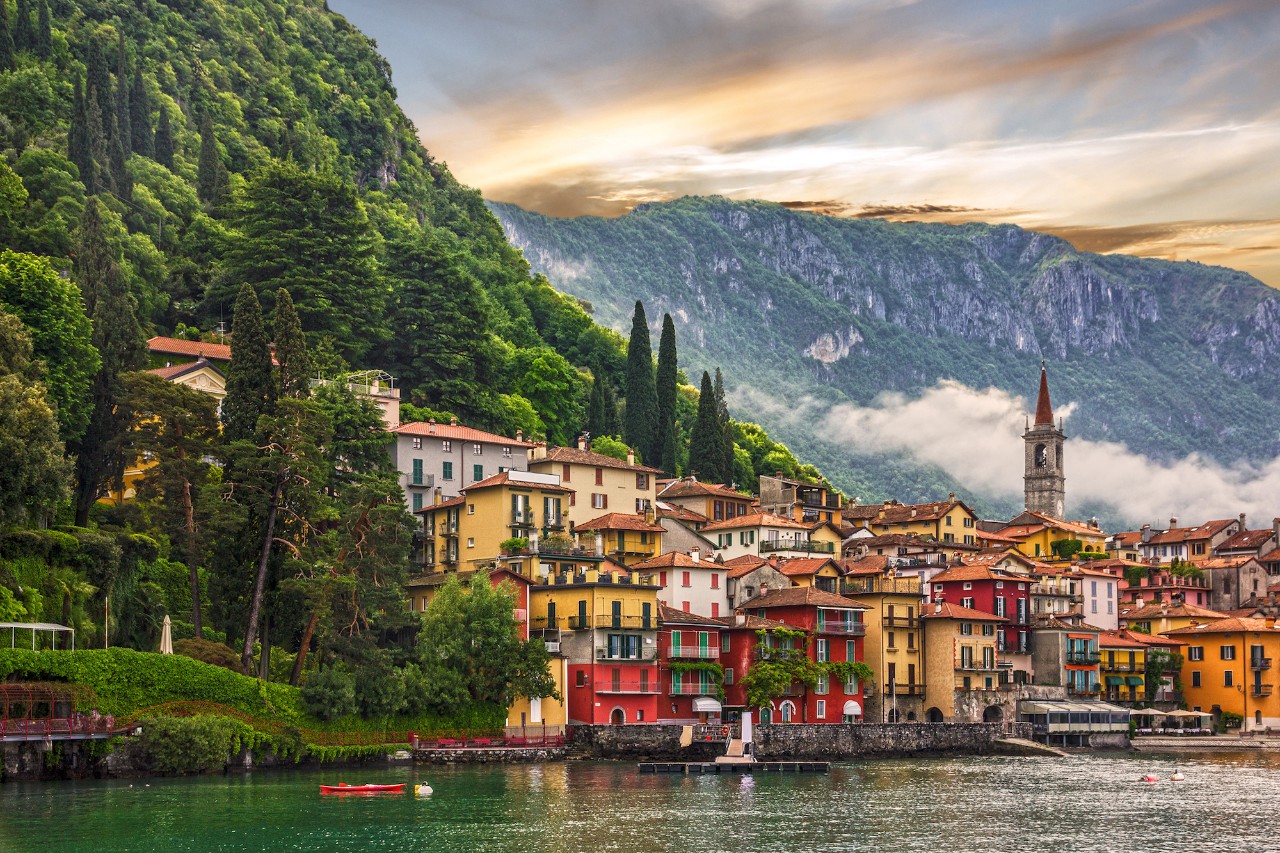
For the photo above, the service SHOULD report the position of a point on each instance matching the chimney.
(1146, 532)
(696, 553)
(437, 496)
(582, 441)
(739, 619)
(1173, 522)
(453, 421)
(431, 425)
(520, 434)
(1138, 602)
(631, 456)
(937, 607)
(1275, 529)
(951, 496)
(1243, 528)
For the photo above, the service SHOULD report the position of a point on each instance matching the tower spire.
(1044, 408)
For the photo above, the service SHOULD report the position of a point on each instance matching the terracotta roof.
(1060, 524)
(456, 501)
(1230, 625)
(574, 456)
(620, 521)
(803, 566)
(1186, 534)
(754, 623)
(1128, 537)
(744, 565)
(195, 349)
(456, 432)
(690, 487)
(1145, 639)
(1164, 608)
(1048, 622)
(754, 519)
(174, 371)
(680, 513)
(672, 615)
(990, 536)
(675, 560)
(1246, 540)
(1223, 562)
(1271, 556)
(801, 596)
(860, 512)
(873, 564)
(1044, 408)
(946, 610)
(503, 478)
(895, 513)
(1113, 640)
(901, 539)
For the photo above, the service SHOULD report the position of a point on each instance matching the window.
(966, 602)
(824, 651)
(1197, 548)
(968, 585)
(850, 650)
(684, 605)
(1227, 678)
(477, 449)
(417, 472)
(999, 584)
(728, 675)
(564, 473)
(1000, 608)
(966, 628)
(642, 482)
(471, 542)
(968, 539)
(968, 522)
(715, 610)
(446, 446)
(747, 537)
(892, 644)
(599, 476)
(824, 685)
(477, 472)
(446, 471)
(417, 501)
(822, 709)
(717, 511)
(599, 501)
(1227, 652)
(685, 580)
(582, 678)
(948, 521)
(988, 629)
(851, 687)
(724, 540)
(1195, 678)
(724, 644)
(715, 580)
(417, 444)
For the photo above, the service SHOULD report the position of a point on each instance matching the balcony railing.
(1260, 663)
(1118, 667)
(692, 689)
(619, 655)
(521, 518)
(1261, 690)
(554, 522)
(697, 652)
(580, 623)
(977, 665)
(1084, 689)
(1083, 658)
(605, 685)
(904, 690)
(852, 629)
(807, 546)
(900, 622)
(422, 482)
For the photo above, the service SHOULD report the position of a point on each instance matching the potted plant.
(514, 545)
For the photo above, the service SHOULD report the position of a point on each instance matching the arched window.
(788, 711)
(1041, 456)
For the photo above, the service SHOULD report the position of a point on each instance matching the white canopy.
(852, 709)
(706, 705)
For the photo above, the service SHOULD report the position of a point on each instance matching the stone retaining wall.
(495, 755)
(782, 742)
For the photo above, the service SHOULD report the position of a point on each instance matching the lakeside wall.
(800, 741)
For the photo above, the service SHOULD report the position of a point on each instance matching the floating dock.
(735, 767)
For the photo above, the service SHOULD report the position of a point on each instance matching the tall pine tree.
(291, 349)
(164, 139)
(143, 141)
(251, 389)
(211, 172)
(24, 34)
(665, 458)
(706, 439)
(123, 114)
(97, 84)
(118, 339)
(79, 146)
(726, 426)
(44, 31)
(8, 60)
(595, 406)
(641, 427)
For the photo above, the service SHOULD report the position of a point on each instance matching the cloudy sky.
(1145, 126)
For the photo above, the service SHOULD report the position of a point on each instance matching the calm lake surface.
(1086, 802)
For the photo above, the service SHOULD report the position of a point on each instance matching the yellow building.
(821, 572)
(1122, 668)
(1161, 617)
(961, 654)
(629, 539)
(943, 521)
(600, 483)
(712, 500)
(894, 645)
(1229, 666)
(1035, 533)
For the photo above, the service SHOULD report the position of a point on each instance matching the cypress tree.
(706, 439)
(97, 84)
(164, 140)
(8, 60)
(99, 148)
(211, 172)
(143, 142)
(641, 427)
(251, 389)
(665, 445)
(595, 406)
(122, 129)
(291, 349)
(118, 339)
(612, 420)
(44, 32)
(726, 425)
(24, 35)
(120, 179)
(79, 146)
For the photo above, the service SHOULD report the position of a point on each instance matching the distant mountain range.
(1167, 358)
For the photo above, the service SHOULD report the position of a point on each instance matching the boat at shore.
(344, 788)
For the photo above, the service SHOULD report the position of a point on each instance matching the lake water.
(1085, 802)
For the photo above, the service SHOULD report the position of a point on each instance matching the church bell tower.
(1044, 486)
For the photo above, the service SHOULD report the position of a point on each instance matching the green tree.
(123, 113)
(79, 141)
(118, 339)
(164, 139)
(24, 34)
(726, 427)
(54, 313)
(34, 474)
(554, 388)
(291, 349)
(211, 173)
(706, 440)
(251, 389)
(8, 60)
(308, 233)
(177, 428)
(469, 649)
(143, 141)
(97, 84)
(44, 31)
(595, 406)
(641, 425)
(665, 445)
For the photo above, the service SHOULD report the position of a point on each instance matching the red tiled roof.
(754, 519)
(1113, 640)
(895, 513)
(1177, 535)
(800, 596)
(691, 487)
(968, 572)
(1164, 608)
(1230, 625)
(672, 615)
(456, 501)
(873, 564)
(174, 371)
(804, 566)
(753, 623)
(674, 560)
(680, 513)
(1129, 537)
(946, 610)
(620, 521)
(455, 431)
(1060, 524)
(1145, 639)
(504, 478)
(194, 349)
(574, 456)
(1246, 540)
(746, 564)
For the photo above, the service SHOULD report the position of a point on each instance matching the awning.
(706, 705)
(1134, 680)
(852, 709)
(1114, 679)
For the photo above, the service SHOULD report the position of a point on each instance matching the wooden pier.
(689, 767)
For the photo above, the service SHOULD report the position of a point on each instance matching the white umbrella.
(1181, 713)
(166, 637)
(1146, 712)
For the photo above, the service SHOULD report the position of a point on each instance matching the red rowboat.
(344, 788)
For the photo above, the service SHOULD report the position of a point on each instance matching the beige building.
(601, 483)
(894, 647)
(961, 654)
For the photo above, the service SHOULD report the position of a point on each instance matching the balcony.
(806, 546)
(1084, 689)
(1118, 667)
(696, 652)
(422, 482)
(553, 647)
(582, 623)
(900, 622)
(904, 690)
(644, 654)
(634, 687)
(851, 629)
(1083, 658)
(776, 652)
(1260, 690)
(977, 666)
(521, 518)
(693, 689)
(1260, 663)
(554, 522)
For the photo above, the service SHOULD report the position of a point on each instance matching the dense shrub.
(330, 693)
(207, 651)
(191, 744)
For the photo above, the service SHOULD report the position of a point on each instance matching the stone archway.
(933, 715)
(617, 717)
(993, 714)
(911, 716)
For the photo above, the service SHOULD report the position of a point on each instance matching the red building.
(689, 649)
(993, 591)
(833, 633)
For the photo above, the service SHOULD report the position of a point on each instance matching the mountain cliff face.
(1169, 358)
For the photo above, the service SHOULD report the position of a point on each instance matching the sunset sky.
(1147, 126)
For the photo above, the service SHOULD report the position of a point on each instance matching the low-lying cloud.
(975, 436)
